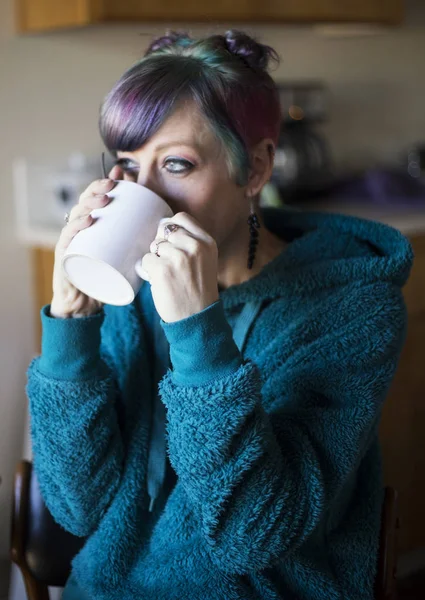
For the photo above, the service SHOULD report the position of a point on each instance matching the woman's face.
(185, 165)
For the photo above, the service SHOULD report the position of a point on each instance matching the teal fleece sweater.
(277, 490)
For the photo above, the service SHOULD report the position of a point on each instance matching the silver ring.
(169, 228)
(66, 218)
(157, 244)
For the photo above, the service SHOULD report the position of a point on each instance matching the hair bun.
(172, 38)
(255, 54)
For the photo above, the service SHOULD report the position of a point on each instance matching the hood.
(325, 250)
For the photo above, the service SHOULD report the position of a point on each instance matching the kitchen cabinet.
(43, 15)
(403, 419)
(42, 268)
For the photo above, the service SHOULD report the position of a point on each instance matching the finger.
(180, 240)
(146, 265)
(177, 258)
(94, 201)
(188, 222)
(71, 230)
(116, 173)
(100, 186)
(86, 205)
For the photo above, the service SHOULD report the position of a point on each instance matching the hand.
(184, 276)
(67, 300)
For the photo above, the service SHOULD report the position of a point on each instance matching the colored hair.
(226, 76)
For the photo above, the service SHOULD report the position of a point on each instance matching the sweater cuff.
(70, 348)
(202, 348)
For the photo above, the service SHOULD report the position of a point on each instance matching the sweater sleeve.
(73, 422)
(262, 460)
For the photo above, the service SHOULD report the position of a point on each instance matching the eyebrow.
(176, 143)
(189, 143)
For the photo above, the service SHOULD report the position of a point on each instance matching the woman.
(248, 466)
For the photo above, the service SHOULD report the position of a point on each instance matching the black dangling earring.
(254, 224)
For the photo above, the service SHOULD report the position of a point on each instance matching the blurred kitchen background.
(353, 94)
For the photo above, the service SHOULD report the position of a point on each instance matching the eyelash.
(125, 165)
(188, 165)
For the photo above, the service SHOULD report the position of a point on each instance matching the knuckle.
(193, 247)
(74, 211)
(97, 185)
(85, 219)
(100, 183)
(79, 223)
(98, 200)
(86, 193)
(107, 183)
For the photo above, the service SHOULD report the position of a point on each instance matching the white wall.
(16, 327)
(50, 89)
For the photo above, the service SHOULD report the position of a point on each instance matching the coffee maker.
(302, 161)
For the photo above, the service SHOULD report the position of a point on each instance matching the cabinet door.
(42, 262)
(285, 11)
(42, 15)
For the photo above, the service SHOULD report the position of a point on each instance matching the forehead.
(186, 118)
(186, 126)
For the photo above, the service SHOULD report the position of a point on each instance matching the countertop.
(409, 220)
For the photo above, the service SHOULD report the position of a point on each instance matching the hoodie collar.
(324, 250)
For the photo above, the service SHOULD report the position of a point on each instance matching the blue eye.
(127, 165)
(178, 165)
(174, 166)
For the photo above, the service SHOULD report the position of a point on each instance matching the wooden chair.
(43, 551)
(386, 579)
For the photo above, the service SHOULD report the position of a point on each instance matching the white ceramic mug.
(100, 260)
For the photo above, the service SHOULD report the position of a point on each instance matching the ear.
(262, 159)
